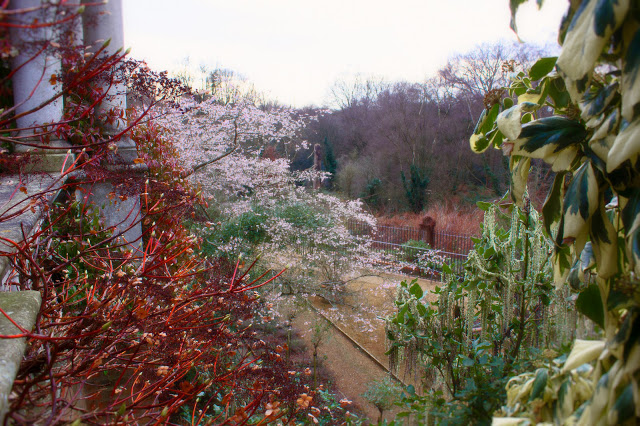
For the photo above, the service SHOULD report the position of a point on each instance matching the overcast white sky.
(295, 49)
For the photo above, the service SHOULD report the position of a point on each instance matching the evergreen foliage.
(416, 188)
(330, 162)
(371, 194)
(592, 211)
(482, 328)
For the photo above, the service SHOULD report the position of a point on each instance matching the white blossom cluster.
(248, 151)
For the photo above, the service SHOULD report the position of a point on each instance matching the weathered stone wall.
(22, 307)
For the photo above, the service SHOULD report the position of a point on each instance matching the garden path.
(370, 297)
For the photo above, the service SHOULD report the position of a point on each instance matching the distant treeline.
(400, 146)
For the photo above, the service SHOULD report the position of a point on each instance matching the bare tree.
(364, 90)
(486, 68)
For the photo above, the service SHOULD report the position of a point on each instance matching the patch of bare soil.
(369, 299)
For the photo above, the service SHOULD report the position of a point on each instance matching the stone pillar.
(103, 22)
(428, 230)
(23, 308)
(36, 81)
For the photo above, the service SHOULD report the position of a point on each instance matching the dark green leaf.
(539, 384)
(604, 17)
(507, 103)
(589, 303)
(552, 208)
(631, 221)
(618, 300)
(416, 290)
(479, 144)
(466, 361)
(596, 101)
(558, 92)
(484, 206)
(624, 407)
(446, 269)
(543, 67)
(490, 119)
(481, 120)
(421, 309)
(577, 198)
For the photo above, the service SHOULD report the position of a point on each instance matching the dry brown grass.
(449, 218)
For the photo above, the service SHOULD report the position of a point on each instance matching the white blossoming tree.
(240, 155)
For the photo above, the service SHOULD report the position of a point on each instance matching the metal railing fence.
(404, 243)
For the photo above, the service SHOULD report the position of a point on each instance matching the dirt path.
(351, 369)
(370, 299)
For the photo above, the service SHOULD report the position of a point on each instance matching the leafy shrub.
(482, 328)
(415, 188)
(592, 209)
(412, 248)
(383, 394)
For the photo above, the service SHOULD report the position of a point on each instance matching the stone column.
(36, 82)
(102, 23)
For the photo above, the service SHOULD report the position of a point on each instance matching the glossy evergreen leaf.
(479, 143)
(631, 221)
(597, 100)
(558, 93)
(484, 206)
(626, 146)
(631, 79)
(542, 67)
(590, 28)
(507, 103)
(490, 119)
(589, 303)
(585, 261)
(509, 122)
(466, 361)
(552, 209)
(496, 138)
(547, 137)
(604, 136)
(520, 167)
(618, 300)
(564, 407)
(561, 259)
(416, 290)
(583, 351)
(539, 384)
(624, 408)
(604, 239)
(580, 202)
(536, 96)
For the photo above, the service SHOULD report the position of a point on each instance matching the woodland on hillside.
(400, 146)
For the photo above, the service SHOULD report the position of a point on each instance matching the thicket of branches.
(147, 330)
